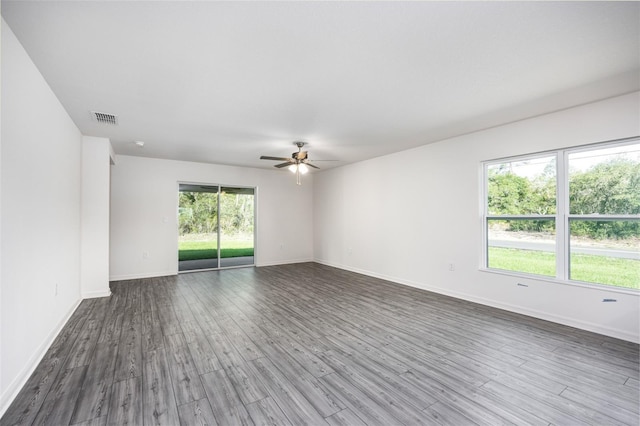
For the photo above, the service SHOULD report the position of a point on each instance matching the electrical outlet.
(452, 267)
(145, 254)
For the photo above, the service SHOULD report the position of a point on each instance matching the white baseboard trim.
(95, 294)
(283, 262)
(559, 319)
(21, 379)
(169, 273)
(143, 275)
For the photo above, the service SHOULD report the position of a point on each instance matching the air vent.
(104, 118)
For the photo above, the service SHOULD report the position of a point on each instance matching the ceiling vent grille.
(104, 118)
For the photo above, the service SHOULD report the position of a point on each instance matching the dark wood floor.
(309, 344)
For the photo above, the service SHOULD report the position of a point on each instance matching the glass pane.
(236, 226)
(522, 187)
(605, 252)
(197, 227)
(605, 181)
(523, 245)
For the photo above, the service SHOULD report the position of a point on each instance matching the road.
(547, 246)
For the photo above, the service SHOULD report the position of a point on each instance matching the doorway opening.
(215, 227)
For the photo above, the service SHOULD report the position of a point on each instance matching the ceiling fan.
(298, 163)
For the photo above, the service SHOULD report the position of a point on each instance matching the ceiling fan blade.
(283, 165)
(311, 165)
(266, 157)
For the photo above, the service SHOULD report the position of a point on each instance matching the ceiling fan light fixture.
(298, 164)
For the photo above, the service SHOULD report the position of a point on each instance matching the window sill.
(553, 280)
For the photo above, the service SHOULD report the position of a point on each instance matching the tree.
(607, 188)
(611, 187)
(198, 213)
(509, 194)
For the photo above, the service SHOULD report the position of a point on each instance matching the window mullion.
(562, 216)
(521, 216)
(604, 217)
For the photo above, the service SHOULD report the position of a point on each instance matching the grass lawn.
(584, 267)
(194, 250)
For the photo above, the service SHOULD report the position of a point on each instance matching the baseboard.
(284, 262)
(95, 294)
(139, 276)
(547, 316)
(168, 273)
(21, 379)
(559, 319)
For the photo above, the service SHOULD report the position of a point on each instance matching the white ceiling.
(226, 82)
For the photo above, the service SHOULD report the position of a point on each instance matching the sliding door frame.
(219, 187)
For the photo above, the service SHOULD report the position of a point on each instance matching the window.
(570, 214)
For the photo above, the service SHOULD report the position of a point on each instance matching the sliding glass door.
(236, 226)
(216, 227)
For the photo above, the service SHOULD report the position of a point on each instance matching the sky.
(578, 161)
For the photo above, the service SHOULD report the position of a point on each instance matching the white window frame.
(561, 218)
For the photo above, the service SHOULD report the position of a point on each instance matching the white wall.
(97, 157)
(144, 201)
(40, 280)
(406, 216)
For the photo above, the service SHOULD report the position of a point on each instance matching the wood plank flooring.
(308, 344)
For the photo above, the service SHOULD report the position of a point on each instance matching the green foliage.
(510, 194)
(606, 270)
(608, 188)
(194, 250)
(584, 267)
(517, 195)
(600, 230)
(528, 261)
(236, 213)
(611, 187)
(212, 254)
(198, 213)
